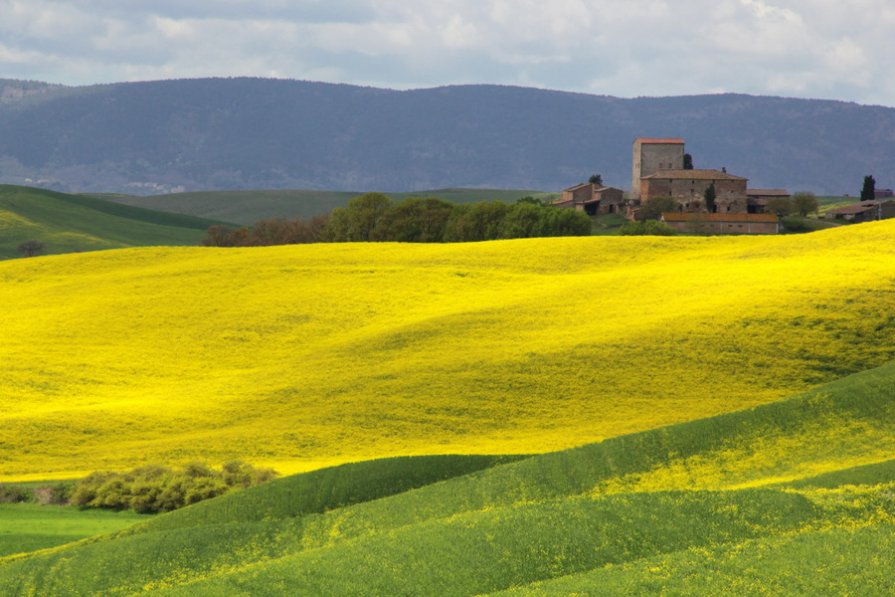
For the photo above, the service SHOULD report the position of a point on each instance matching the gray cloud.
(809, 48)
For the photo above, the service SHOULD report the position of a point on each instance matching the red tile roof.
(577, 186)
(852, 209)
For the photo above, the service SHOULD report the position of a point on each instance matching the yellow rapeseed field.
(304, 356)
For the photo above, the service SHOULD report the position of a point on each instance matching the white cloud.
(818, 48)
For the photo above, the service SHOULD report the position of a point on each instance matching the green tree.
(414, 221)
(782, 206)
(710, 197)
(804, 203)
(868, 191)
(469, 222)
(688, 161)
(534, 200)
(523, 220)
(357, 221)
(596, 179)
(564, 222)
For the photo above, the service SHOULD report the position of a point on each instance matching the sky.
(831, 49)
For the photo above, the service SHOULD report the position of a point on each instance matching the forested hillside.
(188, 135)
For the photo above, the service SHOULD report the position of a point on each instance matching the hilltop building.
(592, 199)
(651, 155)
(688, 188)
(657, 171)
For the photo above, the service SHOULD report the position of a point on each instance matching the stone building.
(651, 155)
(592, 199)
(722, 223)
(865, 211)
(757, 199)
(688, 188)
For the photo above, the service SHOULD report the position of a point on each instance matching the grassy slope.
(29, 527)
(74, 223)
(247, 207)
(304, 356)
(553, 519)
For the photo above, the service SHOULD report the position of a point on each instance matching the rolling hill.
(74, 223)
(558, 523)
(306, 356)
(194, 135)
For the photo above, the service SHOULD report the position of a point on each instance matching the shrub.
(792, 224)
(646, 228)
(154, 488)
(10, 494)
(53, 495)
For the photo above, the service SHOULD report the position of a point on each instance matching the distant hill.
(74, 223)
(189, 135)
(247, 207)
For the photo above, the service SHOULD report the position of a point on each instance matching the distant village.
(708, 201)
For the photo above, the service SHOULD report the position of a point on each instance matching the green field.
(793, 497)
(247, 207)
(74, 223)
(29, 527)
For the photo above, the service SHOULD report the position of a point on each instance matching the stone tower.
(652, 155)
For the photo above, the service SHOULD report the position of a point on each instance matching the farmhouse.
(688, 188)
(592, 199)
(865, 211)
(722, 223)
(658, 171)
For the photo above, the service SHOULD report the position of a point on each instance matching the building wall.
(730, 195)
(611, 201)
(649, 158)
(725, 227)
(887, 210)
(579, 195)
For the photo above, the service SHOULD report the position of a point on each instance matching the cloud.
(817, 48)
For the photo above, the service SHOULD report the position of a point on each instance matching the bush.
(793, 224)
(10, 494)
(804, 203)
(646, 228)
(151, 489)
(53, 495)
(781, 206)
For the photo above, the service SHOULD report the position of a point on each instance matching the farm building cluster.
(712, 201)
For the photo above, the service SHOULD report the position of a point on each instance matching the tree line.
(374, 217)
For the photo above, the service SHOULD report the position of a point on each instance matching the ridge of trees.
(374, 217)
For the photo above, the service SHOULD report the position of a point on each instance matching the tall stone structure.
(651, 156)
